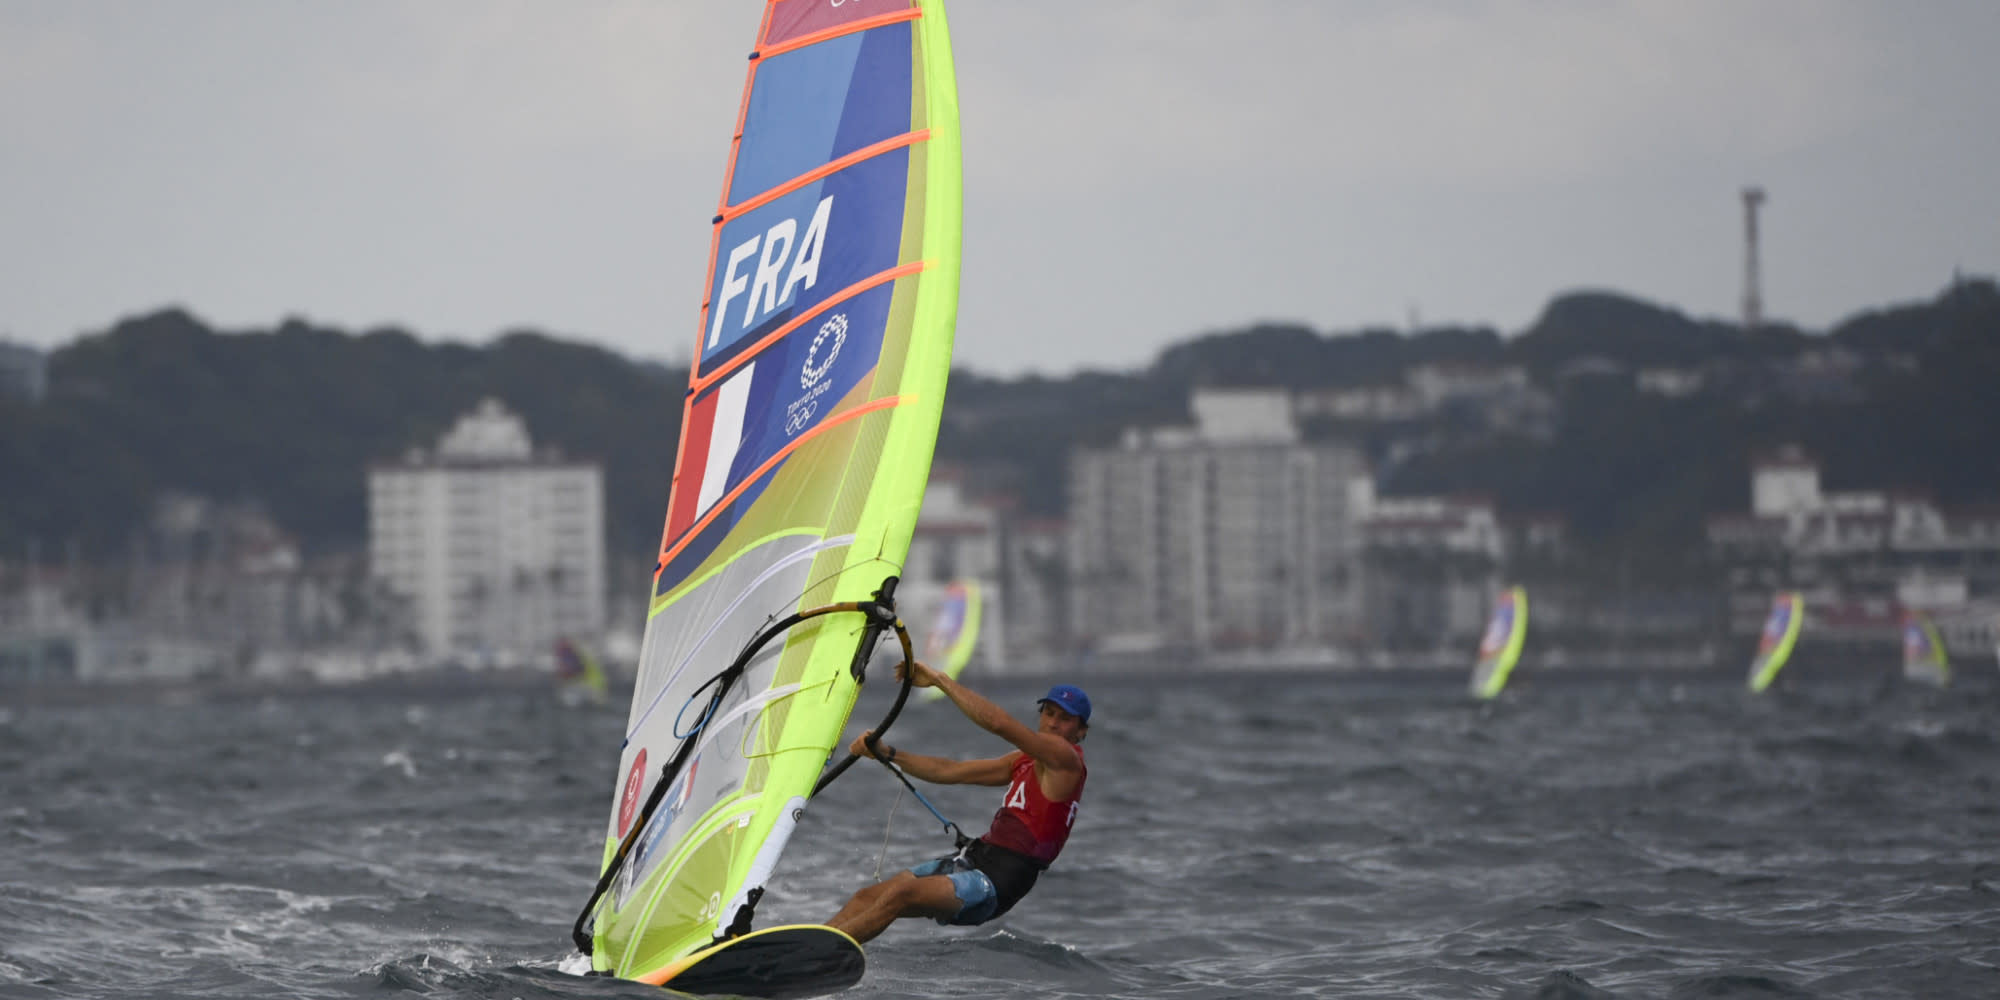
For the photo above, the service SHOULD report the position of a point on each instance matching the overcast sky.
(1137, 171)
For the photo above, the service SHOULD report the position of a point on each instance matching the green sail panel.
(1924, 658)
(954, 635)
(1500, 645)
(811, 414)
(1774, 644)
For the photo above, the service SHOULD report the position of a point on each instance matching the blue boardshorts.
(978, 900)
(988, 880)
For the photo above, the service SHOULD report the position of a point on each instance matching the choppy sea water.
(1259, 837)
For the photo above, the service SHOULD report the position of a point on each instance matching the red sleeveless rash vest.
(1028, 823)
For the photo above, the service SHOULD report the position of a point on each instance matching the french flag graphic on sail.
(714, 438)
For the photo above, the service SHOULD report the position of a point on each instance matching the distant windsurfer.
(569, 660)
(1044, 779)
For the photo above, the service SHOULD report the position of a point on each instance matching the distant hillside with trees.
(291, 418)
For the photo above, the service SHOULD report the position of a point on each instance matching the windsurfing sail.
(954, 632)
(1923, 651)
(580, 675)
(1500, 646)
(1781, 633)
(811, 414)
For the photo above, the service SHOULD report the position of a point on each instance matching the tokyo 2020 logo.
(832, 334)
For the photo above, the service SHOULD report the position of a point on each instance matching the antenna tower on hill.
(1753, 294)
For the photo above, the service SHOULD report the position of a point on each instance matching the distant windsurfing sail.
(806, 438)
(1781, 633)
(579, 673)
(1923, 651)
(954, 632)
(1500, 647)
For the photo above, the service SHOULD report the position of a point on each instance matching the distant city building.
(38, 611)
(1434, 564)
(215, 591)
(1467, 525)
(1594, 368)
(1232, 534)
(1370, 403)
(1784, 485)
(1436, 385)
(1829, 375)
(1496, 397)
(1545, 534)
(498, 551)
(956, 540)
(1673, 383)
(224, 573)
(1862, 555)
(1790, 512)
(23, 372)
(1037, 590)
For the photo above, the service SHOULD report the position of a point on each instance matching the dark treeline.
(291, 418)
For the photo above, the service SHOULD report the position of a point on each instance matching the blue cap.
(1069, 698)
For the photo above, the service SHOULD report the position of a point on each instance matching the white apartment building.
(1458, 545)
(1789, 511)
(955, 538)
(1036, 592)
(498, 551)
(1230, 535)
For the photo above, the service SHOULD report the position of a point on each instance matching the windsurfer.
(1044, 778)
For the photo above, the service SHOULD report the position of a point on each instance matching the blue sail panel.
(812, 106)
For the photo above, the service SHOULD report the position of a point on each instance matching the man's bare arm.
(1051, 752)
(941, 770)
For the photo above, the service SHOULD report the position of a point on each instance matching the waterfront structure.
(1232, 536)
(498, 550)
(1435, 563)
(1862, 555)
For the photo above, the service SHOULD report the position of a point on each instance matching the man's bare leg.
(875, 907)
(864, 899)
